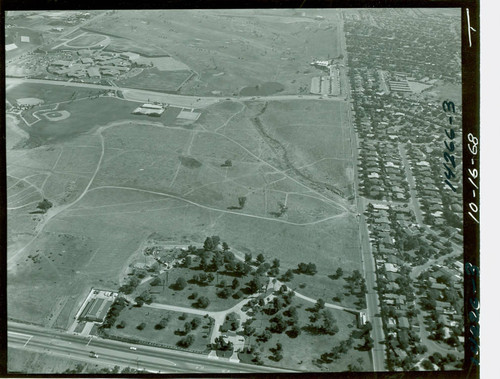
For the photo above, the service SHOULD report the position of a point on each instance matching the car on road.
(93, 355)
(133, 348)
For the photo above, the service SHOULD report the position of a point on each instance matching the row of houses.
(382, 174)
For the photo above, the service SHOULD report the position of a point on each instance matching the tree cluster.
(220, 344)
(186, 341)
(144, 297)
(114, 312)
(323, 322)
(202, 302)
(306, 268)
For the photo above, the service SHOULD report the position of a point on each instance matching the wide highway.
(111, 353)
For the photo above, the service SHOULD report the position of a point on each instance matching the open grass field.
(229, 52)
(154, 79)
(165, 179)
(86, 40)
(50, 94)
(170, 335)
(30, 362)
(445, 91)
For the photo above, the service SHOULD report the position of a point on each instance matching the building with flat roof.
(93, 72)
(96, 310)
(150, 110)
(29, 101)
(152, 106)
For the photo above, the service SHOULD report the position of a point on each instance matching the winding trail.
(217, 209)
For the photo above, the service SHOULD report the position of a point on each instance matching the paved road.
(414, 203)
(178, 100)
(118, 353)
(372, 300)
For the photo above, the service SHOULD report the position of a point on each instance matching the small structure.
(10, 46)
(93, 72)
(321, 63)
(96, 310)
(361, 319)
(29, 101)
(61, 63)
(403, 322)
(96, 306)
(150, 110)
(389, 267)
(188, 115)
(25, 39)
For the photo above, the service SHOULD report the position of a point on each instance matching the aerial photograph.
(234, 191)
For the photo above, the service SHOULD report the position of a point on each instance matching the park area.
(287, 337)
(143, 177)
(162, 327)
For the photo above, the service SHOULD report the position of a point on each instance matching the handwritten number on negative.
(449, 158)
